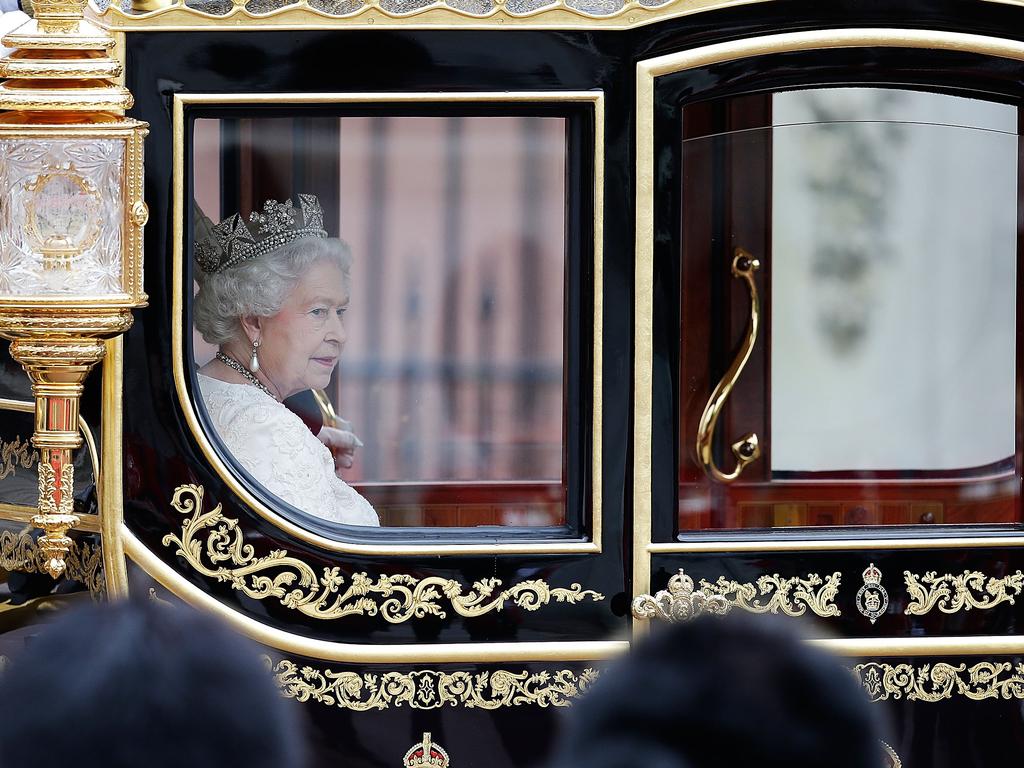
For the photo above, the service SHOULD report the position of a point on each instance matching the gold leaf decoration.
(14, 454)
(48, 488)
(950, 593)
(429, 689)
(84, 563)
(214, 545)
(775, 594)
(679, 601)
(18, 551)
(940, 681)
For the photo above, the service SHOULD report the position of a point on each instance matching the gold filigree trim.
(14, 454)
(214, 545)
(941, 681)
(429, 689)
(552, 14)
(679, 601)
(84, 562)
(950, 593)
(769, 594)
(48, 487)
(775, 594)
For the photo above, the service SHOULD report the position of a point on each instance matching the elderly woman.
(272, 297)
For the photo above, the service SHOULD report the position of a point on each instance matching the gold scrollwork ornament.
(941, 681)
(951, 593)
(214, 545)
(793, 596)
(679, 602)
(872, 599)
(84, 562)
(429, 689)
(17, 453)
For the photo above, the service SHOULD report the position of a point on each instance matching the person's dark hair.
(139, 683)
(722, 693)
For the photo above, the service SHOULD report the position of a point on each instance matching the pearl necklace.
(234, 365)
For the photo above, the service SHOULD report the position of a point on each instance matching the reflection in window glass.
(893, 280)
(448, 380)
(882, 381)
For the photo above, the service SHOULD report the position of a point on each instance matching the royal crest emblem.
(872, 599)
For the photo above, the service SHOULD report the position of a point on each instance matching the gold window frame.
(644, 547)
(591, 545)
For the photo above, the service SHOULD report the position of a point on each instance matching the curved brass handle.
(746, 449)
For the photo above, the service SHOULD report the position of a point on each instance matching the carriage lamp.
(71, 218)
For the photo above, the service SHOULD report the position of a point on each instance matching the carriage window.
(399, 283)
(883, 367)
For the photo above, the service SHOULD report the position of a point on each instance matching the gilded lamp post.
(71, 218)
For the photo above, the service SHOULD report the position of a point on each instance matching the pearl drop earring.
(254, 361)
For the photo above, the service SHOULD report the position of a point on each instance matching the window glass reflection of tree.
(893, 280)
(453, 369)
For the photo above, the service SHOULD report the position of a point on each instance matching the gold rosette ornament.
(71, 218)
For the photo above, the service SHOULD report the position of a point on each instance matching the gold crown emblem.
(426, 754)
(234, 240)
(872, 575)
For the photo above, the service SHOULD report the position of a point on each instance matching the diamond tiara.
(234, 240)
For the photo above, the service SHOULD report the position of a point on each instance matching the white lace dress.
(277, 448)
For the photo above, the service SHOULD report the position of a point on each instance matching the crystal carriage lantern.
(71, 218)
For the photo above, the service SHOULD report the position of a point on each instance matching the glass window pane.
(446, 364)
(894, 218)
(882, 384)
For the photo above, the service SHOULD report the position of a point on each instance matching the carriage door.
(828, 378)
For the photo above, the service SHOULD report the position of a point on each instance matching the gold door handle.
(747, 448)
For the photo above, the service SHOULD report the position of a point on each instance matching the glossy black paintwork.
(161, 453)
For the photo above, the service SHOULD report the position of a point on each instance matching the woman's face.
(300, 345)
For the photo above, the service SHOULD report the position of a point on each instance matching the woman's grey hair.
(259, 286)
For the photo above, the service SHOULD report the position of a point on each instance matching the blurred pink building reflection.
(454, 365)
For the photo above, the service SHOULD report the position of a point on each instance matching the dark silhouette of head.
(144, 684)
(722, 693)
